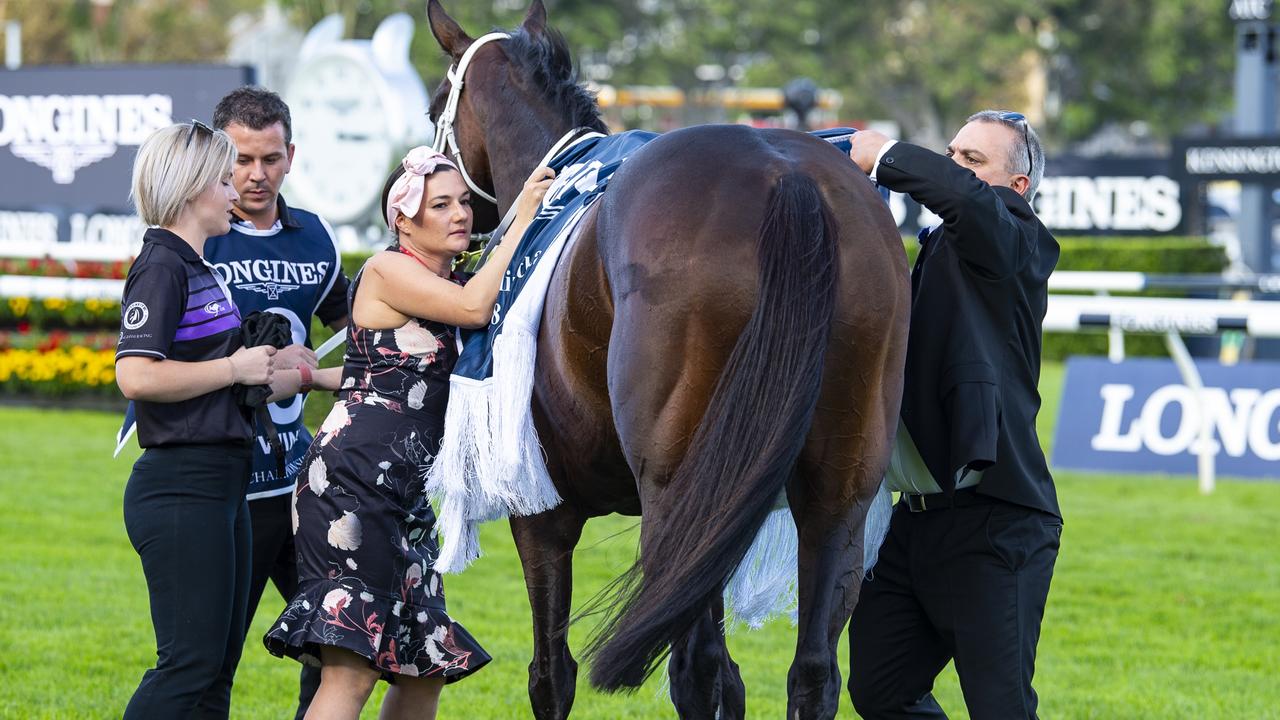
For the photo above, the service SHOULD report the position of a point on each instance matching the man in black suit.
(964, 572)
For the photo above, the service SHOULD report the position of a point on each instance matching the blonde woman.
(369, 604)
(178, 357)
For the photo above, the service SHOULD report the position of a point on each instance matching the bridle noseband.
(445, 141)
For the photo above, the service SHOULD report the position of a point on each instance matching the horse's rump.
(678, 235)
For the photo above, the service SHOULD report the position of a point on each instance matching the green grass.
(1164, 605)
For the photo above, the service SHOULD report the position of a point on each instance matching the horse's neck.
(513, 155)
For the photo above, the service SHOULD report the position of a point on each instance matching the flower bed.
(58, 371)
(50, 267)
(28, 315)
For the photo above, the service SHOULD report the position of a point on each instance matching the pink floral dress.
(363, 528)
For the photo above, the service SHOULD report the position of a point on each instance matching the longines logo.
(65, 133)
(270, 289)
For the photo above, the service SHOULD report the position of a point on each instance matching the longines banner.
(1109, 196)
(68, 136)
(1091, 196)
(1138, 416)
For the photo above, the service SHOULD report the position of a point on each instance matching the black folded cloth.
(261, 328)
(264, 328)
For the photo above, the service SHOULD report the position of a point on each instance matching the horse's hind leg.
(705, 682)
(835, 481)
(545, 542)
(830, 567)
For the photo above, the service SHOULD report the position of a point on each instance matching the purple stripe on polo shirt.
(214, 294)
(201, 315)
(190, 331)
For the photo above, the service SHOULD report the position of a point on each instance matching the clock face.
(344, 150)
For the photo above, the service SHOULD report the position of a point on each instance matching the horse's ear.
(535, 21)
(452, 38)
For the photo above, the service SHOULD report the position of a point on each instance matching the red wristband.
(305, 372)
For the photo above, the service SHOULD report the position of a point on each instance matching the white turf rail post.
(1191, 378)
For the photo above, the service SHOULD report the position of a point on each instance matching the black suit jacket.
(979, 290)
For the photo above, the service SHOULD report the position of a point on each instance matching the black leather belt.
(916, 502)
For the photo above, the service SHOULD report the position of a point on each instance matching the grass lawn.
(1165, 604)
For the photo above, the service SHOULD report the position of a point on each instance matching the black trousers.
(186, 516)
(275, 559)
(967, 582)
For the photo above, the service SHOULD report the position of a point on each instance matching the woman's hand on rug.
(530, 199)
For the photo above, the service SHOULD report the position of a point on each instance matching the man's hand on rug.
(864, 147)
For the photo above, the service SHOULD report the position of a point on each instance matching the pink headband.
(406, 193)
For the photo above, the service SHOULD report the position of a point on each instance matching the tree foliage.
(58, 32)
(927, 64)
(1167, 63)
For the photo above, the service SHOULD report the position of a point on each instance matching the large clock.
(357, 105)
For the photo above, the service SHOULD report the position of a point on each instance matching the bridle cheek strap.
(445, 141)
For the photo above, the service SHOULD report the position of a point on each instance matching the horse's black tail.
(744, 450)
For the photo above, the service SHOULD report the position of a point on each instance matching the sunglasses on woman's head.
(1016, 117)
(197, 125)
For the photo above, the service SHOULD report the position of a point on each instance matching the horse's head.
(520, 95)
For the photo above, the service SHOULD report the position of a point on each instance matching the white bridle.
(445, 141)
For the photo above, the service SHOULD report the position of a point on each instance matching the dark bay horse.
(729, 326)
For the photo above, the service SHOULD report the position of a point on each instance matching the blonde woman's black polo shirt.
(176, 308)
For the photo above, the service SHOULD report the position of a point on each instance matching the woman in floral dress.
(369, 604)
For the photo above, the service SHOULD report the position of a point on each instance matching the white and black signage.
(1139, 416)
(1081, 204)
(63, 133)
(68, 136)
(74, 235)
(1090, 196)
(1109, 196)
(1250, 10)
(1243, 159)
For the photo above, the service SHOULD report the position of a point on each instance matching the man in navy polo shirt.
(282, 260)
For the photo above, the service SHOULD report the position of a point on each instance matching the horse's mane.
(545, 58)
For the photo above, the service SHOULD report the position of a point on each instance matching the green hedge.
(352, 262)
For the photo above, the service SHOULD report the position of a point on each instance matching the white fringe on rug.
(521, 472)
(876, 528)
(764, 585)
(490, 462)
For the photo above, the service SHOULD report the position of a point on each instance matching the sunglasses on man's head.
(197, 125)
(1017, 117)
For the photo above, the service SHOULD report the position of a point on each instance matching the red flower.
(24, 327)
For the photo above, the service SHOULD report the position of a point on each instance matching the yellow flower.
(58, 370)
